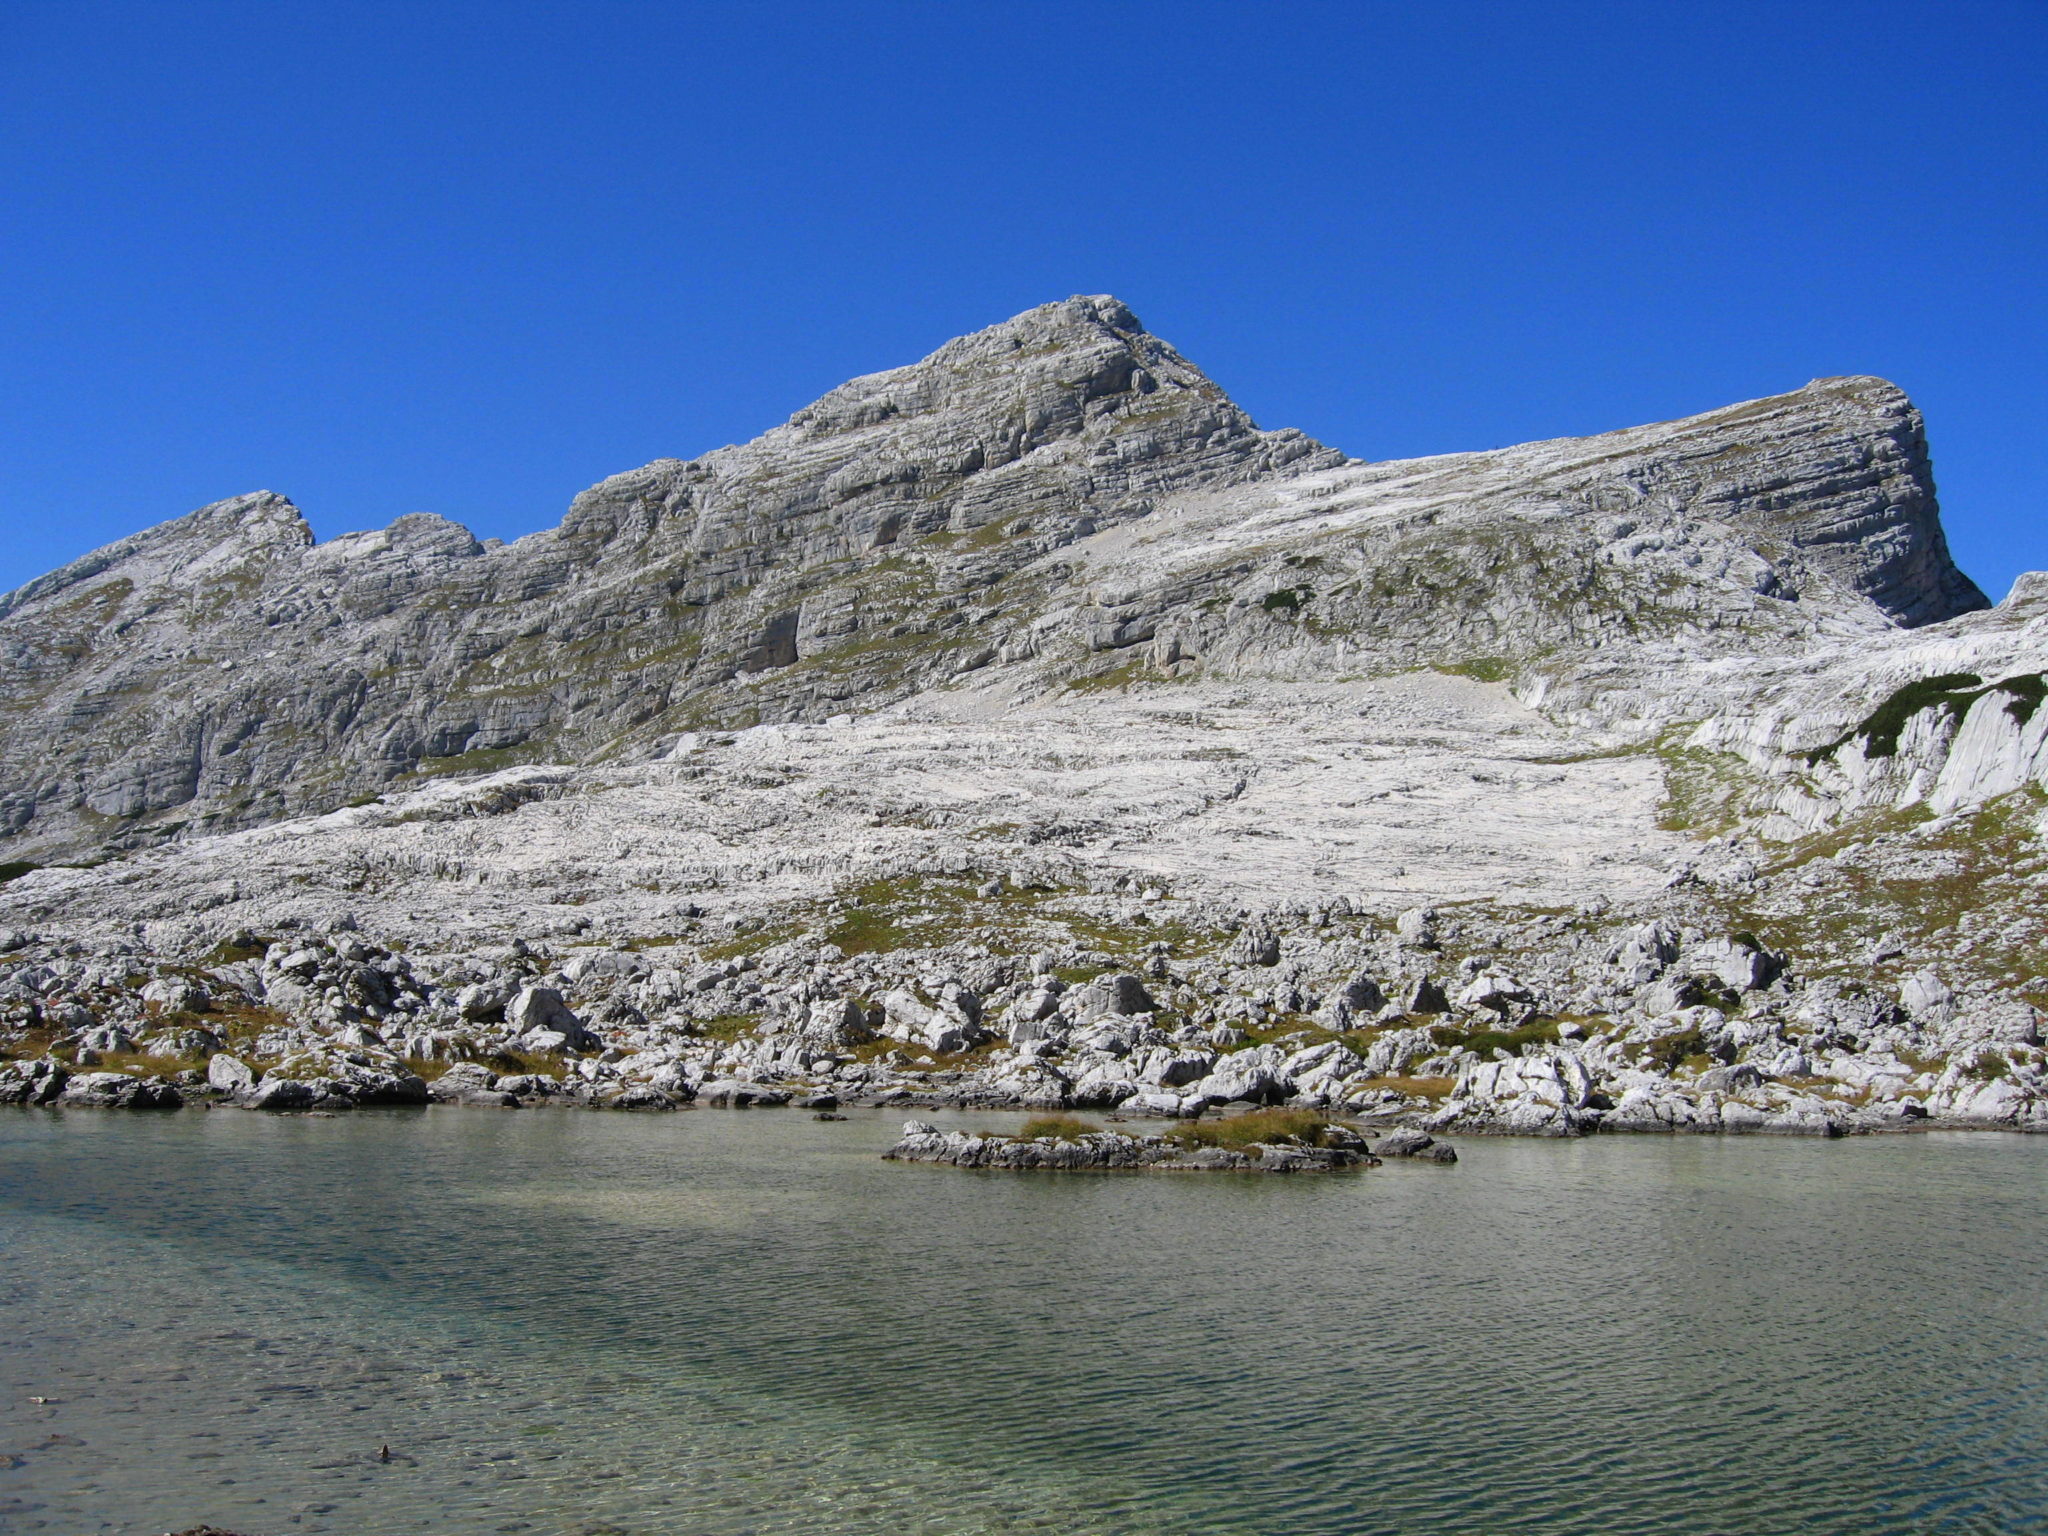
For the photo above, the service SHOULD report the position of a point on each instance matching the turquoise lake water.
(737, 1322)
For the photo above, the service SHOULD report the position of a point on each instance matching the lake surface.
(725, 1322)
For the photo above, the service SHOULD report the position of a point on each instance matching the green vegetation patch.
(1055, 1128)
(1122, 675)
(1952, 692)
(478, 760)
(1484, 669)
(919, 910)
(1285, 600)
(237, 947)
(729, 1026)
(1487, 1041)
(1286, 1127)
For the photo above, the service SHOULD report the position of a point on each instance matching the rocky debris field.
(1093, 990)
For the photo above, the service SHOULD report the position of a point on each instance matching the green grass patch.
(1487, 1041)
(1285, 1127)
(1951, 692)
(729, 1026)
(1668, 1053)
(1055, 1128)
(1484, 669)
(751, 943)
(229, 952)
(1414, 1087)
(1120, 676)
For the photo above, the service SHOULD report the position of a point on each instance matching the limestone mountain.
(1054, 490)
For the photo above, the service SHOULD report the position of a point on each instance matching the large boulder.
(1118, 996)
(944, 1030)
(538, 1012)
(230, 1074)
(282, 1093)
(32, 1082)
(119, 1090)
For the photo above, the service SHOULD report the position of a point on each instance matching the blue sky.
(471, 258)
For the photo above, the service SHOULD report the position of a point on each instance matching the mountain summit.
(1055, 487)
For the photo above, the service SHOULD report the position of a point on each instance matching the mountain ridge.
(1025, 726)
(906, 527)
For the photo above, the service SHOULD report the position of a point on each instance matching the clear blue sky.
(469, 258)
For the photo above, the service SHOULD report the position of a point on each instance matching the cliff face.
(1059, 498)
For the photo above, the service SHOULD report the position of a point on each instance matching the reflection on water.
(725, 1322)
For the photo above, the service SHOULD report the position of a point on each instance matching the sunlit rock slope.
(1673, 776)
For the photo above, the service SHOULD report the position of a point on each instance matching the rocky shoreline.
(1441, 1019)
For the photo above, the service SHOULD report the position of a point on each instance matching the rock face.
(1054, 488)
(850, 540)
(1027, 727)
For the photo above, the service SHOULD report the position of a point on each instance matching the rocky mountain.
(1026, 725)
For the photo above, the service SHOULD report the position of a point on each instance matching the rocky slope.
(1026, 726)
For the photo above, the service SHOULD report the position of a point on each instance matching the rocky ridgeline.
(1025, 727)
(1059, 498)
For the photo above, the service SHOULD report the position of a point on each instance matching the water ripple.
(745, 1323)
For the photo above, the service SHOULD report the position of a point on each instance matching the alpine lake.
(725, 1322)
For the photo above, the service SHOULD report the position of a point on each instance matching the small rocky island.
(1268, 1141)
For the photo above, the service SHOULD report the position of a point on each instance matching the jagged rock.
(1254, 946)
(230, 1074)
(730, 1093)
(1119, 995)
(942, 1029)
(118, 1090)
(546, 1022)
(1416, 927)
(282, 1093)
(32, 1082)
(1425, 996)
(1408, 1142)
(1735, 964)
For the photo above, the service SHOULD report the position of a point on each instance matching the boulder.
(538, 1014)
(1111, 997)
(1734, 963)
(282, 1093)
(230, 1074)
(908, 1017)
(119, 1090)
(1254, 946)
(1406, 1141)
(732, 1093)
(484, 1002)
(1425, 996)
(176, 994)
(1926, 999)
(1416, 928)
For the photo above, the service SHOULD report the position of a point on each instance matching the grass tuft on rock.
(1055, 1128)
(1285, 1127)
